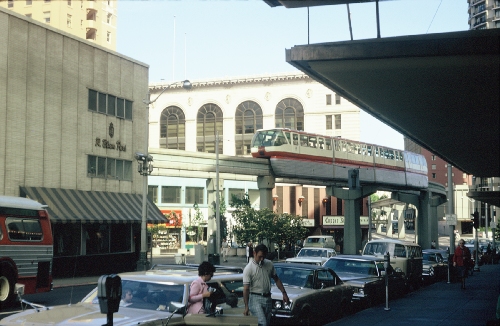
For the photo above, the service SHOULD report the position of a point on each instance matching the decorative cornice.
(229, 81)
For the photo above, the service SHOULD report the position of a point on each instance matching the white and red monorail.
(295, 154)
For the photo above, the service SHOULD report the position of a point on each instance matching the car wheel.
(305, 317)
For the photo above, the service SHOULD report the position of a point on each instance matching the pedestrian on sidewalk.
(225, 249)
(461, 260)
(257, 286)
(249, 251)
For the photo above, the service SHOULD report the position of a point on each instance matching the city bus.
(26, 248)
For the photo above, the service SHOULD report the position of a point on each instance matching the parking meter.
(109, 293)
(387, 265)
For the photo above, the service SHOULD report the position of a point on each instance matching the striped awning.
(70, 206)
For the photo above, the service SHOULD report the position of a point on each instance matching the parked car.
(367, 276)
(159, 298)
(313, 255)
(434, 266)
(405, 257)
(317, 295)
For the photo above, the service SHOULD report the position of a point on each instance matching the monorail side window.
(287, 135)
(26, 229)
(295, 139)
(369, 150)
(328, 143)
(312, 142)
(303, 140)
(321, 143)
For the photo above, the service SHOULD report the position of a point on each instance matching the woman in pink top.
(199, 288)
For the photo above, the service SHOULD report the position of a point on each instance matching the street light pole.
(145, 168)
(217, 196)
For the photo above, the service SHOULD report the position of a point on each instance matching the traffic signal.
(476, 219)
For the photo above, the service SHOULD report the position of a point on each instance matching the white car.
(159, 297)
(313, 255)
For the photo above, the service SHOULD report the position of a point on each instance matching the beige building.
(484, 14)
(236, 107)
(94, 21)
(71, 120)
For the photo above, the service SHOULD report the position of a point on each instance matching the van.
(404, 256)
(323, 241)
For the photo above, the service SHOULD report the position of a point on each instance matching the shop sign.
(339, 220)
(308, 222)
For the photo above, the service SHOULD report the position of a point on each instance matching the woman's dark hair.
(206, 268)
(259, 248)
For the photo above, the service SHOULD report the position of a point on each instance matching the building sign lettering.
(339, 220)
(104, 143)
(308, 222)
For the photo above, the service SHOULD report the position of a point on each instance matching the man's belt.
(267, 295)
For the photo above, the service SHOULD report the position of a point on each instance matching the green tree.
(263, 224)
(197, 222)
(246, 219)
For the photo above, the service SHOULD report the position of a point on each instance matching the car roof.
(319, 248)
(358, 257)
(408, 243)
(299, 265)
(174, 277)
(434, 251)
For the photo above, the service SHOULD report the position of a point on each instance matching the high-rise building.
(94, 21)
(484, 14)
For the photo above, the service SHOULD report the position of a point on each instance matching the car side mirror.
(382, 273)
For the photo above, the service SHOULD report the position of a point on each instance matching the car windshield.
(429, 257)
(296, 276)
(145, 295)
(375, 248)
(312, 253)
(354, 266)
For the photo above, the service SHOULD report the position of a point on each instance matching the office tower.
(94, 21)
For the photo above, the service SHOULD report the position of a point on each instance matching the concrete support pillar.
(352, 210)
(424, 224)
(211, 194)
(266, 186)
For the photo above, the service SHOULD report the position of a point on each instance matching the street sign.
(451, 219)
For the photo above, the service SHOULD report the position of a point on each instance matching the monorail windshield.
(271, 137)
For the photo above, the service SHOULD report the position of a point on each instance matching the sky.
(194, 39)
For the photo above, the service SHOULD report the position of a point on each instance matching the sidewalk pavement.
(439, 304)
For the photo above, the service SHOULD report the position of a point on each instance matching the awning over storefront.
(70, 206)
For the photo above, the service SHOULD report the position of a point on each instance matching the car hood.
(291, 291)
(307, 260)
(88, 314)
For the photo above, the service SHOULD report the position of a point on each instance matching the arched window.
(172, 128)
(209, 120)
(289, 114)
(248, 119)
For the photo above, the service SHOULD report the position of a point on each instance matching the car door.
(329, 293)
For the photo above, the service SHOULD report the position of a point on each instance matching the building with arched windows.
(235, 108)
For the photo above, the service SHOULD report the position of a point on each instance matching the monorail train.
(295, 154)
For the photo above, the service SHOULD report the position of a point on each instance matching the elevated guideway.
(177, 163)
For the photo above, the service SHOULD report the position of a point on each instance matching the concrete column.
(266, 186)
(352, 210)
(211, 194)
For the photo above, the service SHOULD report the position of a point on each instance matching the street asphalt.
(441, 303)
